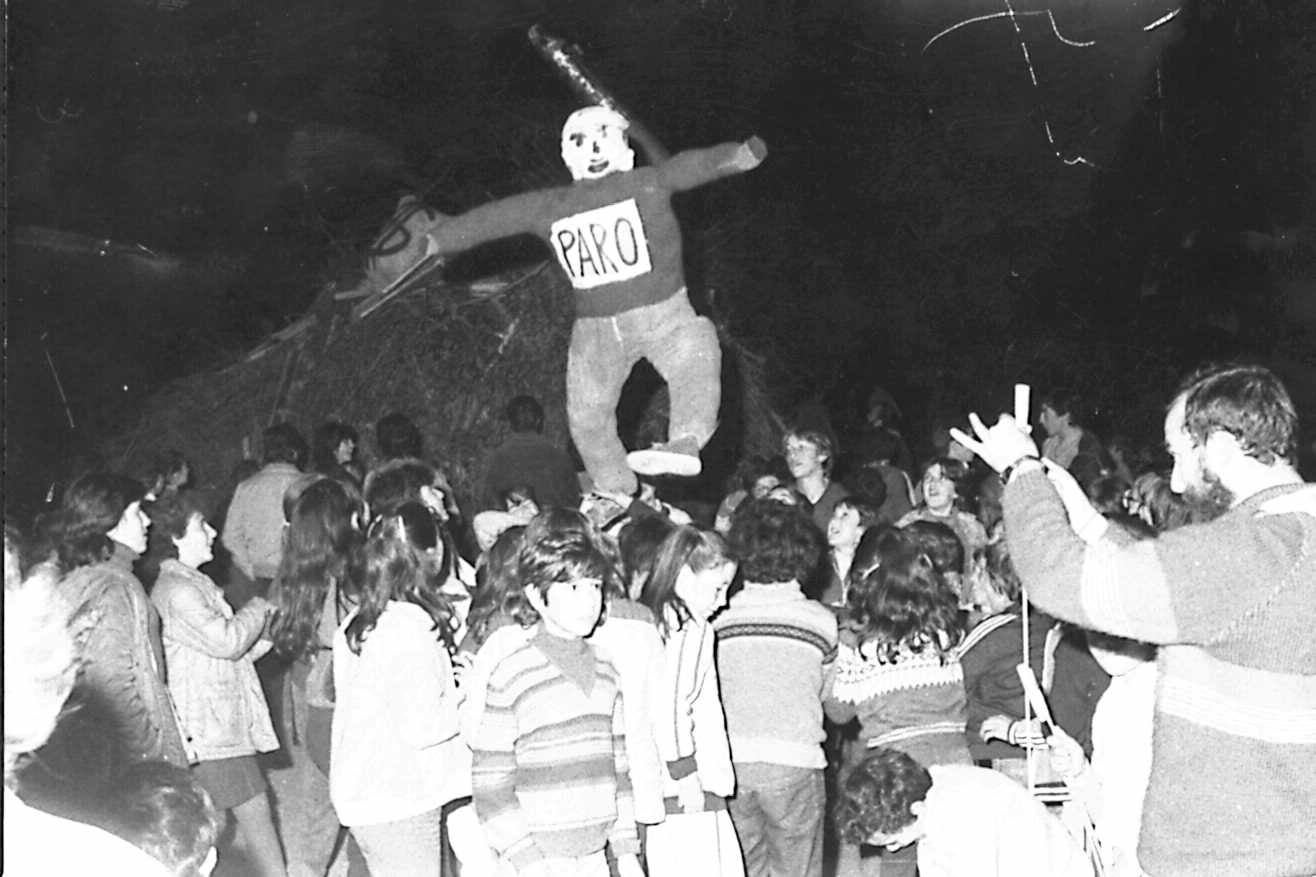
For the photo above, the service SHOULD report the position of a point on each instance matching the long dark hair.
(905, 606)
(396, 568)
(91, 508)
(321, 549)
(498, 584)
(684, 546)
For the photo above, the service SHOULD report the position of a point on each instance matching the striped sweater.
(1232, 604)
(549, 776)
(772, 646)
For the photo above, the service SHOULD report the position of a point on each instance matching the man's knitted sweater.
(616, 238)
(549, 776)
(772, 645)
(1231, 604)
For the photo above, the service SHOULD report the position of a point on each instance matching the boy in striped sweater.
(550, 780)
(773, 645)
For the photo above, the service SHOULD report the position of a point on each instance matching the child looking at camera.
(550, 779)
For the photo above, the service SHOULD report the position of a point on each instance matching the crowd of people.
(1017, 660)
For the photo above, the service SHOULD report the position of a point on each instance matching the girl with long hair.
(898, 672)
(691, 574)
(211, 656)
(314, 592)
(396, 751)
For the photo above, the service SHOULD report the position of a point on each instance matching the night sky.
(183, 177)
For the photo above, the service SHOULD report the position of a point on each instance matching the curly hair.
(775, 542)
(905, 606)
(162, 810)
(1247, 401)
(878, 795)
(396, 568)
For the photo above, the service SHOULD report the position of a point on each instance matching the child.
(966, 820)
(897, 671)
(211, 653)
(163, 811)
(396, 759)
(996, 730)
(549, 778)
(773, 644)
(850, 520)
(689, 585)
(1112, 787)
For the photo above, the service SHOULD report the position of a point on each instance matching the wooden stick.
(565, 59)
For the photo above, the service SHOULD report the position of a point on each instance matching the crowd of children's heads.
(362, 544)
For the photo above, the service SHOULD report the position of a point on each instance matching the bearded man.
(1231, 603)
(617, 242)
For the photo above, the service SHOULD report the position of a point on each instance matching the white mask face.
(594, 144)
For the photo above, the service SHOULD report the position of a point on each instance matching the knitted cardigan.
(915, 704)
(1231, 604)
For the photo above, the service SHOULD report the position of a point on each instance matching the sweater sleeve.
(194, 623)
(517, 214)
(624, 838)
(685, 665)
(493, 777)
(1180, 588)
(695, 167)
(1116, 585)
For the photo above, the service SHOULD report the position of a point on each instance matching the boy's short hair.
(869, 513)
(283, 443)
(820, 439)
(558, 557)
(775, 542)
(939, 542)
(161, 809)
(877, 795)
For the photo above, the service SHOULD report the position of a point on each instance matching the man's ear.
(1220, 449)
(917, 809)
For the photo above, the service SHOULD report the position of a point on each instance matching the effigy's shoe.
(680, 457)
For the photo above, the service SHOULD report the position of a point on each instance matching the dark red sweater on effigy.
(616, 239)
(1231, 604)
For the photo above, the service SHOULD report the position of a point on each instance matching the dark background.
(183, 177)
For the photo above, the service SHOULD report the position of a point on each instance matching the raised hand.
(1000, 446)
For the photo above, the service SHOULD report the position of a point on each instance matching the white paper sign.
(604, 245)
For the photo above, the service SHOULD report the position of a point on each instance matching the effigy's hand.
(751, 153)
(1001, 445)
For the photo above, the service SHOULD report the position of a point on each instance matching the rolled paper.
(1021, 404)
(1033, 691)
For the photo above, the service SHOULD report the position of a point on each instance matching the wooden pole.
(565, 58)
